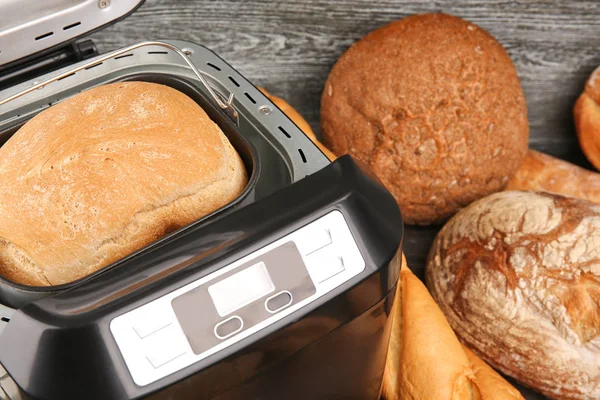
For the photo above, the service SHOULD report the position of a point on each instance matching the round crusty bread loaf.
(517, 275)
(104, 173)
(434, 105)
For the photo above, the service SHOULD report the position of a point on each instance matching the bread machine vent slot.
(213, 66)
(284, 132)
(44, 36)
(4, 319)
(68, 76)
(71, 26)
(234, 81)
(250, 98)
(158, 52)
(94, 66)
(302, 155)
(123, 56)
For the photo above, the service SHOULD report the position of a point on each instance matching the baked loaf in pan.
(517, 275)
(105, 173)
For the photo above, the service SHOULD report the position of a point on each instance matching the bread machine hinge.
(30, 68)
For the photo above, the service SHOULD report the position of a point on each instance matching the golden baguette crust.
(489, 382)
(517, 275)
(542, 172)
(104, 173)
(425, 359)
(587, 119)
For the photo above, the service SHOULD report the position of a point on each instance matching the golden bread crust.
(104, 173)
(425, 359)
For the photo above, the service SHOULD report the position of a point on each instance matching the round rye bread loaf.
(434, 105)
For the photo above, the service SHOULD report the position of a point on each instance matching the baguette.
(426, 360)
(418, 345)
(542, 172)
(586, 114)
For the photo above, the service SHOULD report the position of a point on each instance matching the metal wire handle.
(225, 106)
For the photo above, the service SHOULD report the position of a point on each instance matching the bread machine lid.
(30, 27)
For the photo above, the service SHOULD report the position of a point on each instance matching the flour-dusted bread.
(433, 104)
(104, 173)
(517, 275)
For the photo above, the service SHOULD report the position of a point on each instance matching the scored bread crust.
(104, 173)
(433, 104)
(517, 275)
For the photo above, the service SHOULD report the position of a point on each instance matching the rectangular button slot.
(163, 346)
(147, 326)
(323, 266)
(314, 240)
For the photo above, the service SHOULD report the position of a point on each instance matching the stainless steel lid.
(29, 27)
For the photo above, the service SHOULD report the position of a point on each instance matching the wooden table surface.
(289, 48)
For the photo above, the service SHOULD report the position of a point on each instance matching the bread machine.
(284, 293)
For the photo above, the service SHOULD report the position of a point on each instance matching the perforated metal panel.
(31, 26)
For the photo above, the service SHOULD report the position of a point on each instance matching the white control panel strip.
(152, 341)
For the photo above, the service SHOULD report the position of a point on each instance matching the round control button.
(278, 301)
(228, 327)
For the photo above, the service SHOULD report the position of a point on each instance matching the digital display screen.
(240, 289)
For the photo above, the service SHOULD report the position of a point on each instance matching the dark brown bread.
(434, 105)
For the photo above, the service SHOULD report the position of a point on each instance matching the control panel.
(218, 310)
